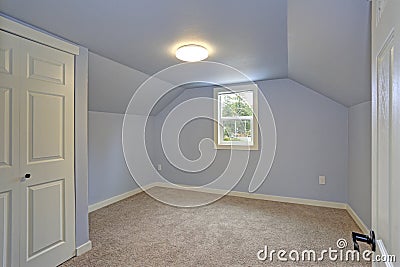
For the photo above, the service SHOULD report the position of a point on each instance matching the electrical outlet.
(322, 179)
(159, 167)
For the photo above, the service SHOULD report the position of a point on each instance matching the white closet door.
(46, 154)
(9, 150)
(386, 127)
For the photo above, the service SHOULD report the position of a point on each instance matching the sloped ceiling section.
(329, 47)
(144, 34)
(111, 86)
(322, 44)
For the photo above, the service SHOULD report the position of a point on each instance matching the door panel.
(47, 154)
(46, 70)
(6, 60)
(5, 226)
(46, 115)
(384, 66)
(45, 201)
(9, 150)
(6, 127)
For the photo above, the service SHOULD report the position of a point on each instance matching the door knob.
(26, 177)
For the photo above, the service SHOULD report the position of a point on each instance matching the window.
(236, 114)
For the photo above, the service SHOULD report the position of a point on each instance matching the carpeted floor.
(140, 231)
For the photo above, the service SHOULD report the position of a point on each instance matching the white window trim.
(230, 145)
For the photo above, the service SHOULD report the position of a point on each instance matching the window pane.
(236, 118)
(237, 130)
(236, 104)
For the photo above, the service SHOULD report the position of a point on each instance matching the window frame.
(218, 127)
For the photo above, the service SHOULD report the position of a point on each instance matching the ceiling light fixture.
(192, 53)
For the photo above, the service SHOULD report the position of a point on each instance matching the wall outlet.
(159, 167)
(322, 180)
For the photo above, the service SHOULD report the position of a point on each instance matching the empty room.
(199, 133)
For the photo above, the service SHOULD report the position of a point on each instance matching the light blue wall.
(108, 173)
(312, 140)
(359, 184)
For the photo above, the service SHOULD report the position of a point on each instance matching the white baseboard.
(302, 201)
(115, 199)
(357, 219)
(84, 248)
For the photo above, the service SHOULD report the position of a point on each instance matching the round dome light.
(192, 53)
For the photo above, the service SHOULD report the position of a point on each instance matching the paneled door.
(37, 203)
(46, 104)
(9, 150)
(386, 126)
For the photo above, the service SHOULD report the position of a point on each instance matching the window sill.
(236, 147)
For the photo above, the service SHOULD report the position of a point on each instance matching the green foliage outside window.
(237, 129)
(235, 106)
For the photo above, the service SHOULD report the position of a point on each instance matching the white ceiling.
(323, 44)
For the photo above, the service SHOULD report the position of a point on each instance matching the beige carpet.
(140, 231)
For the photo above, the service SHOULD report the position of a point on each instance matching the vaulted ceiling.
(323, 44)
(329, 47)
